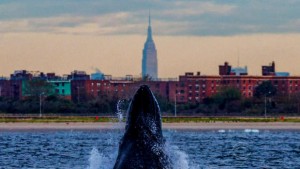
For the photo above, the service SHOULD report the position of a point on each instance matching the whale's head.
(142, 145)
(143, 115)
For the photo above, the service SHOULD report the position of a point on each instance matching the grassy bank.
(56, 119)
(65, 119)
(226, 119)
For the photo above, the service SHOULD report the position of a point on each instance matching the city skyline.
(190, 36)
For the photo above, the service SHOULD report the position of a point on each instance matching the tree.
(227, 95)
(104, 103)
(56, 104)
(266, 88)
(35, 87)
(164, 104)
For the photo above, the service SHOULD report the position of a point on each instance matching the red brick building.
(194, 88)
(123, 89)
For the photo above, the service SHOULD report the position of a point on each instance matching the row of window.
(62, 91)
(57, 84)
(242, 81)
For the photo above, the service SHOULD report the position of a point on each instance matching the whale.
(143, 145)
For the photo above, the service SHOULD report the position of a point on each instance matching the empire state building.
(149, 61)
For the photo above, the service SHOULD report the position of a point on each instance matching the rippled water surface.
(188, 149)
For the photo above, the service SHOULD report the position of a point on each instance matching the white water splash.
(120, 115)
(179, 158)
(222, 131)
(95, 159)
(119, 110)
(100, 161)
(251, 130)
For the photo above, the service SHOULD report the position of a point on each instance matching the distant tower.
(149, 61)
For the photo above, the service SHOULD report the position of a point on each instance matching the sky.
(63, 35)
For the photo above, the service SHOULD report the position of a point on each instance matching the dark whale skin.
(143, 144)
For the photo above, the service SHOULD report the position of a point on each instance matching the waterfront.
(97, 148)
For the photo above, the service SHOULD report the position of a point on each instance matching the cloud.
(104, 24)
(196, 8)
(132, 22)
(172, 17)
(291, 25)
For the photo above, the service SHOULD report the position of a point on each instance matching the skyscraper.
(149, 61)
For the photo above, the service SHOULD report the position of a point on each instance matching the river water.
(195, 149)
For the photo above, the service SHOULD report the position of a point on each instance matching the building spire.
(149, 28)
(149, 17)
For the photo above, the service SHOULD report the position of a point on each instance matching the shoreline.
(23, 126)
